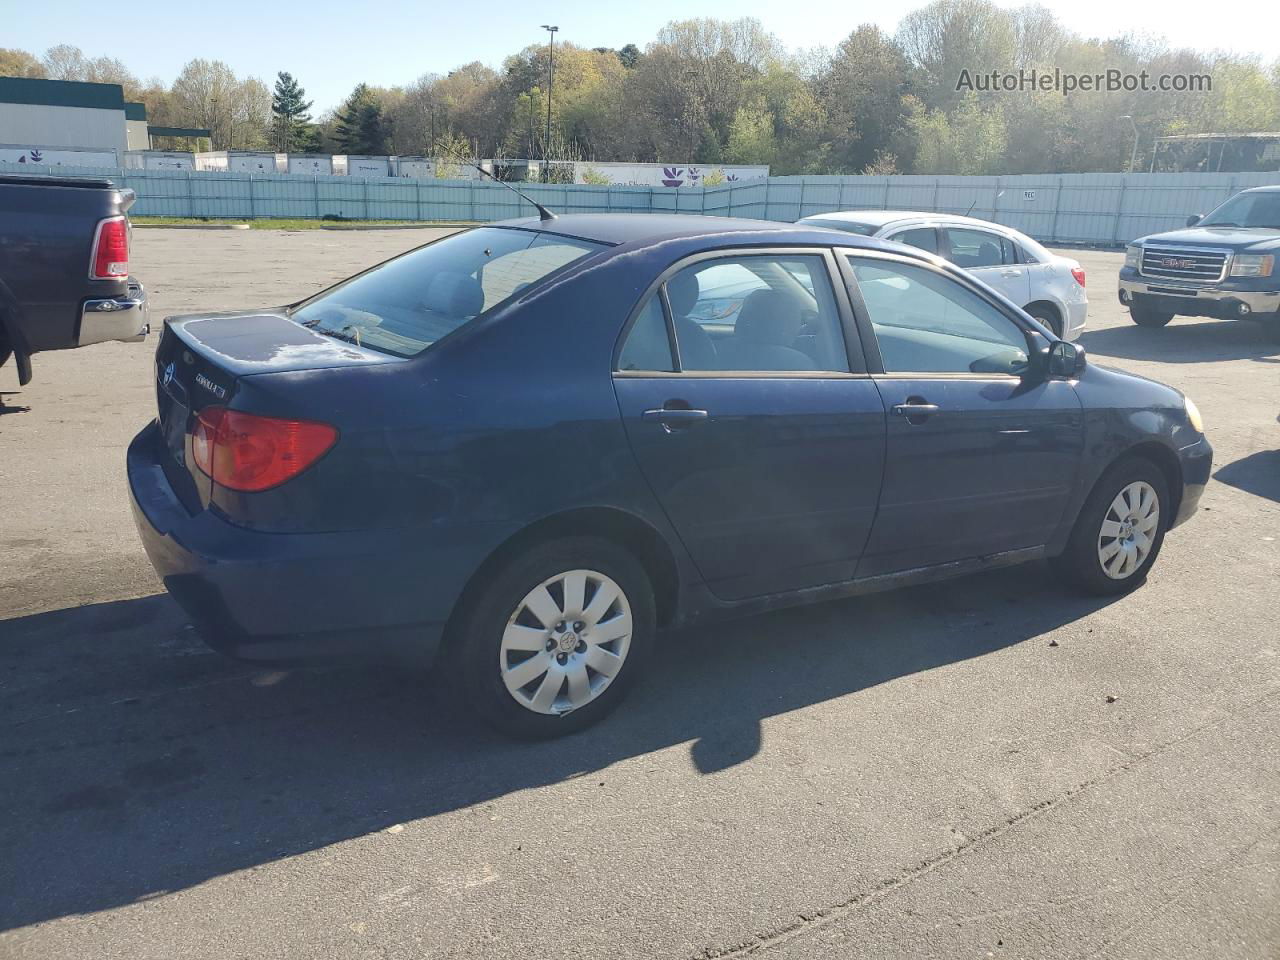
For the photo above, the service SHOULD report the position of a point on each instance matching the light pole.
(213, 126)
(1133, 157)
(551, 77)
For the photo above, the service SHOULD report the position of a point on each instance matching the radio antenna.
(545, 215)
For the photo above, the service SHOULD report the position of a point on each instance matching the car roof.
(882, 218)
(1270, 188)
(648, 228)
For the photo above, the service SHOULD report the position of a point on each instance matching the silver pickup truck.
(64, 267)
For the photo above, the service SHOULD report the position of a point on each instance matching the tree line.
(712, 91)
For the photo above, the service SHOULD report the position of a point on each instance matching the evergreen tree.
(290, 112)
(361, 127)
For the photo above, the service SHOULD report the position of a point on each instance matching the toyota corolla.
(520, 451)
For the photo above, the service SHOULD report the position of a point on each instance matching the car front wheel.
(1120, 529)
(556, 638)
(1146, 317)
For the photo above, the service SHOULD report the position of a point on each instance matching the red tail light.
(1078, 273)
(242, 451)
(110, 250)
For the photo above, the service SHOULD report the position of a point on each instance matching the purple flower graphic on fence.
(694, 174)
(732, 177)
(672, 176)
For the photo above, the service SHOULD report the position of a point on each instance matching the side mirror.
(1066, 360)
(1194, 219)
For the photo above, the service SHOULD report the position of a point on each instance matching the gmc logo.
(1177, 263)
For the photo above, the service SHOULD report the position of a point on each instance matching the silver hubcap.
(565, 642)
(1128, 530)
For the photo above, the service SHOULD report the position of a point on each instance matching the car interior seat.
(763, 338)
(697, 350)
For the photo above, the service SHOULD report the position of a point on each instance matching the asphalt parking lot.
(992, 767)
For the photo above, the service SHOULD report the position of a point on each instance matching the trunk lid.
(201, 360)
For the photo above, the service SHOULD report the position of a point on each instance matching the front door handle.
(1011, 273)
(673, 418)
(916, 411)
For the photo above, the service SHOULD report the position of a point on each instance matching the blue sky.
(330, 46)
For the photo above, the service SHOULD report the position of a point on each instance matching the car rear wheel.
(556, 639)
(1146, 317)
(1120, 529)
(1048, 316)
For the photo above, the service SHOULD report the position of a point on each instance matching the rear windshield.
(404, 306)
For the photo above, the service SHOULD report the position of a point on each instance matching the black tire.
(1048, 316)
(475, 645)
(1146, 317)
(1081, 562)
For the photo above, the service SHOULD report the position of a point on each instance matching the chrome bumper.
(126, 318)
(1258, 301)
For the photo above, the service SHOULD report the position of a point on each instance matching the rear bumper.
(124, 318)
(1224, 301)
(1197, 465)
(285, 597)
(1077, 317)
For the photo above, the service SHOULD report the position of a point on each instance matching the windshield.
(848, 226)
(1247, 210)
(407, 304)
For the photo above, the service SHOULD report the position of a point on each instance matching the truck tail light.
(246, 452)
(1078, 273)
(110, 250)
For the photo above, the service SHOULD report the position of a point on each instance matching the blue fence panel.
(1104, 208)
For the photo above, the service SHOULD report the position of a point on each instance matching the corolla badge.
(212, 387)
(166, 378)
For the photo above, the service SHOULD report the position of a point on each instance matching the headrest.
(770, 317)
(682, 292)
(454, 295)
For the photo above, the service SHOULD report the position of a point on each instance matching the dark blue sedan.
(522, 449)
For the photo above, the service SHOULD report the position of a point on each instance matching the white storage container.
(159, 160)
(237, 161)
(316, 164)
(360, 166)
(420, 168)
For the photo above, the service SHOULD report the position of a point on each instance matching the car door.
(990, 258)
(749, 410)
(981, 456)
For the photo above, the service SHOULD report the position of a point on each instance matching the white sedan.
(1047, 286)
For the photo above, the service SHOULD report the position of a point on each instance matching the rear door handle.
(672, 418)
(1011, 273)
(910, 410)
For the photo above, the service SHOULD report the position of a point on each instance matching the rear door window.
(407, 304)
(973, 248)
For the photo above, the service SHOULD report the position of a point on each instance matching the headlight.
(1252, 265)
(1193, 415)
(1133, 256)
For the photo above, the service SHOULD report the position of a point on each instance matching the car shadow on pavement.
(1258, 473)
(136, 763)
(1185, 341)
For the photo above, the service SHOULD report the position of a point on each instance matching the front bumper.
(1227, 300)
(124, 318)
(279, 597)
(1197, 464)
